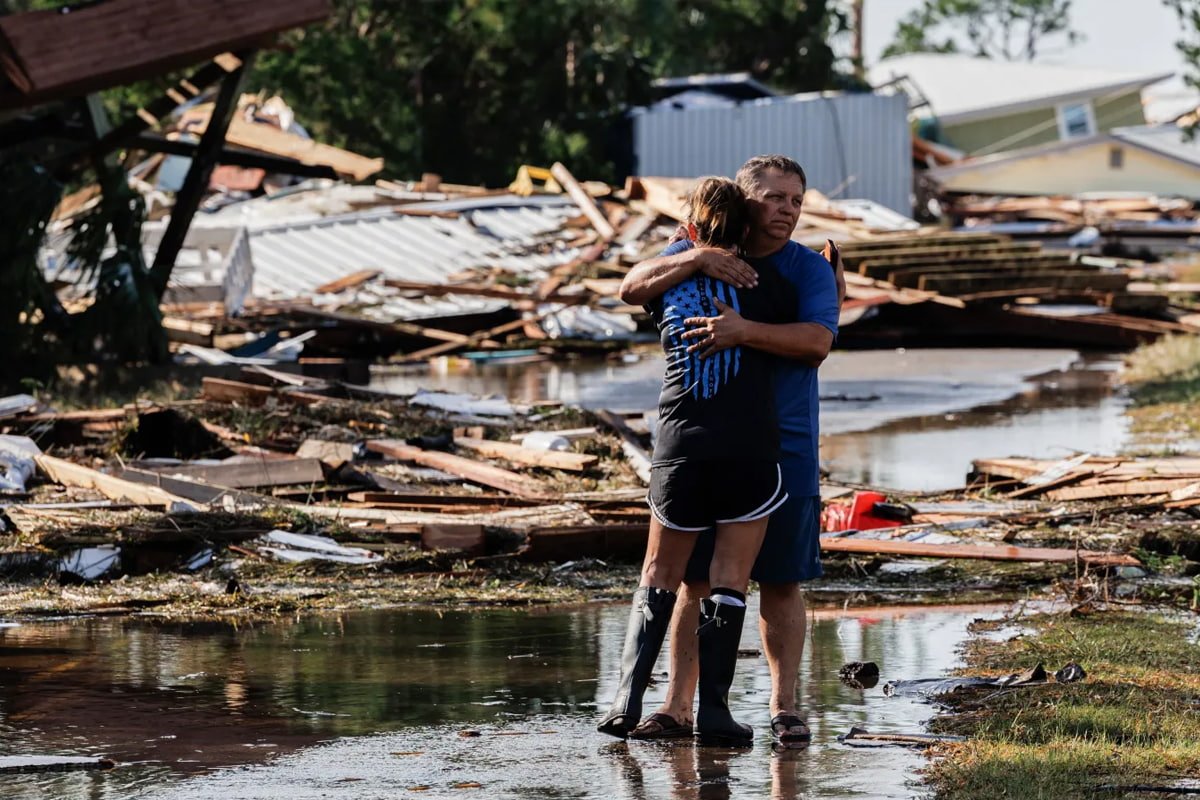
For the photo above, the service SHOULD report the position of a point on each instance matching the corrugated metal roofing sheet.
(850, 145)
(294, 259)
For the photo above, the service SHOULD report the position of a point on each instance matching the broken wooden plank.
(1121, 489)
(896, 547)
(553, 459)
(256, 472)
(220, 390)
(69, 473)
(195, 491)
(584, 200)
(385, 499)
(570, 434)
(347, 281)
(474, 471)
(614, 542)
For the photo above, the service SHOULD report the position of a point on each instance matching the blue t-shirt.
(797, 398)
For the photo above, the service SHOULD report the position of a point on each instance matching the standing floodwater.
(376, 704)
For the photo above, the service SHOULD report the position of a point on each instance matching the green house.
(981, 106)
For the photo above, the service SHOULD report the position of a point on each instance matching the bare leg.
(667, 554)
(685, 664)
(736, 548)
(783, 626)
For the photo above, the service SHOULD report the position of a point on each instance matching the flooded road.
(904, 419)
(374, 704)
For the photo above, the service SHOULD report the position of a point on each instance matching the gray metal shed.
(850, 145)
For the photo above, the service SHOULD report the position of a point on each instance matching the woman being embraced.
(715, 465)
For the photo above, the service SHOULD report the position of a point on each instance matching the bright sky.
(1127, 35)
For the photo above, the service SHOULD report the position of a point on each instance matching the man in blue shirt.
(790, 553)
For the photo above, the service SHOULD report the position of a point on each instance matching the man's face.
(775, 205)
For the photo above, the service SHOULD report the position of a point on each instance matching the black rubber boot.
(648, 622)
(720, 633)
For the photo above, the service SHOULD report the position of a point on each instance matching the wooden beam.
(252, 473)
(195, 184)
(899, 547)
(1130, 488)
(584, 200)
(465, 468)
(553, 459)
(220, 390)
(69, 473)
(234, 157)
(347, 281)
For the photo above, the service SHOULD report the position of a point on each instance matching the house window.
(1116, 157)
(1076, 120)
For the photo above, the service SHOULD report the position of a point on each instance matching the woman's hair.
(718, 210)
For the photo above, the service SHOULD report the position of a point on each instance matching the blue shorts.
(791, 550)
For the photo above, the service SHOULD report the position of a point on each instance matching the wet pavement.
(374, 704)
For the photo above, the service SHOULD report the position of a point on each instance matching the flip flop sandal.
(661, 726)
(782, 724)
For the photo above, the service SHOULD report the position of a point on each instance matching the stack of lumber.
(1172, 481)
(1073, 211)
(977, 266)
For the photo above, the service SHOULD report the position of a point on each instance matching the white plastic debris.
(545, 440)
(17, 463)
(89, 563)
(296, 547)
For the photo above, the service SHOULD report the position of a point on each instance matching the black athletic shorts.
(694, 495)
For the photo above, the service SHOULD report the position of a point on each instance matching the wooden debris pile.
(982, 289)
(1169, 482)
(275, 469)
(1104, 213)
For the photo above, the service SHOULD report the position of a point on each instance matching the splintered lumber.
(193, 490)
(465, 468)
(1120, 489)
(959, 282)
(897, 547)
(631, 444)
(554, 459)
(615, 542)
(221, 390)
(69, 473)
(347, 281)
(469, 501)
(584, 200)
(252, 473)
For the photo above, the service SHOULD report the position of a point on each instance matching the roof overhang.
(1035, 103)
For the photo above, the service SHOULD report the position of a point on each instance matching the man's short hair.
(747, 176)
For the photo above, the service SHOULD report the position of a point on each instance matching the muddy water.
(906, 419)
(373, 705)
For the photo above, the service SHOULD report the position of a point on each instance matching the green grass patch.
(1134, 720)
(1164, 381)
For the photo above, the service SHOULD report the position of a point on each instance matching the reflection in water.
(374, 704)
